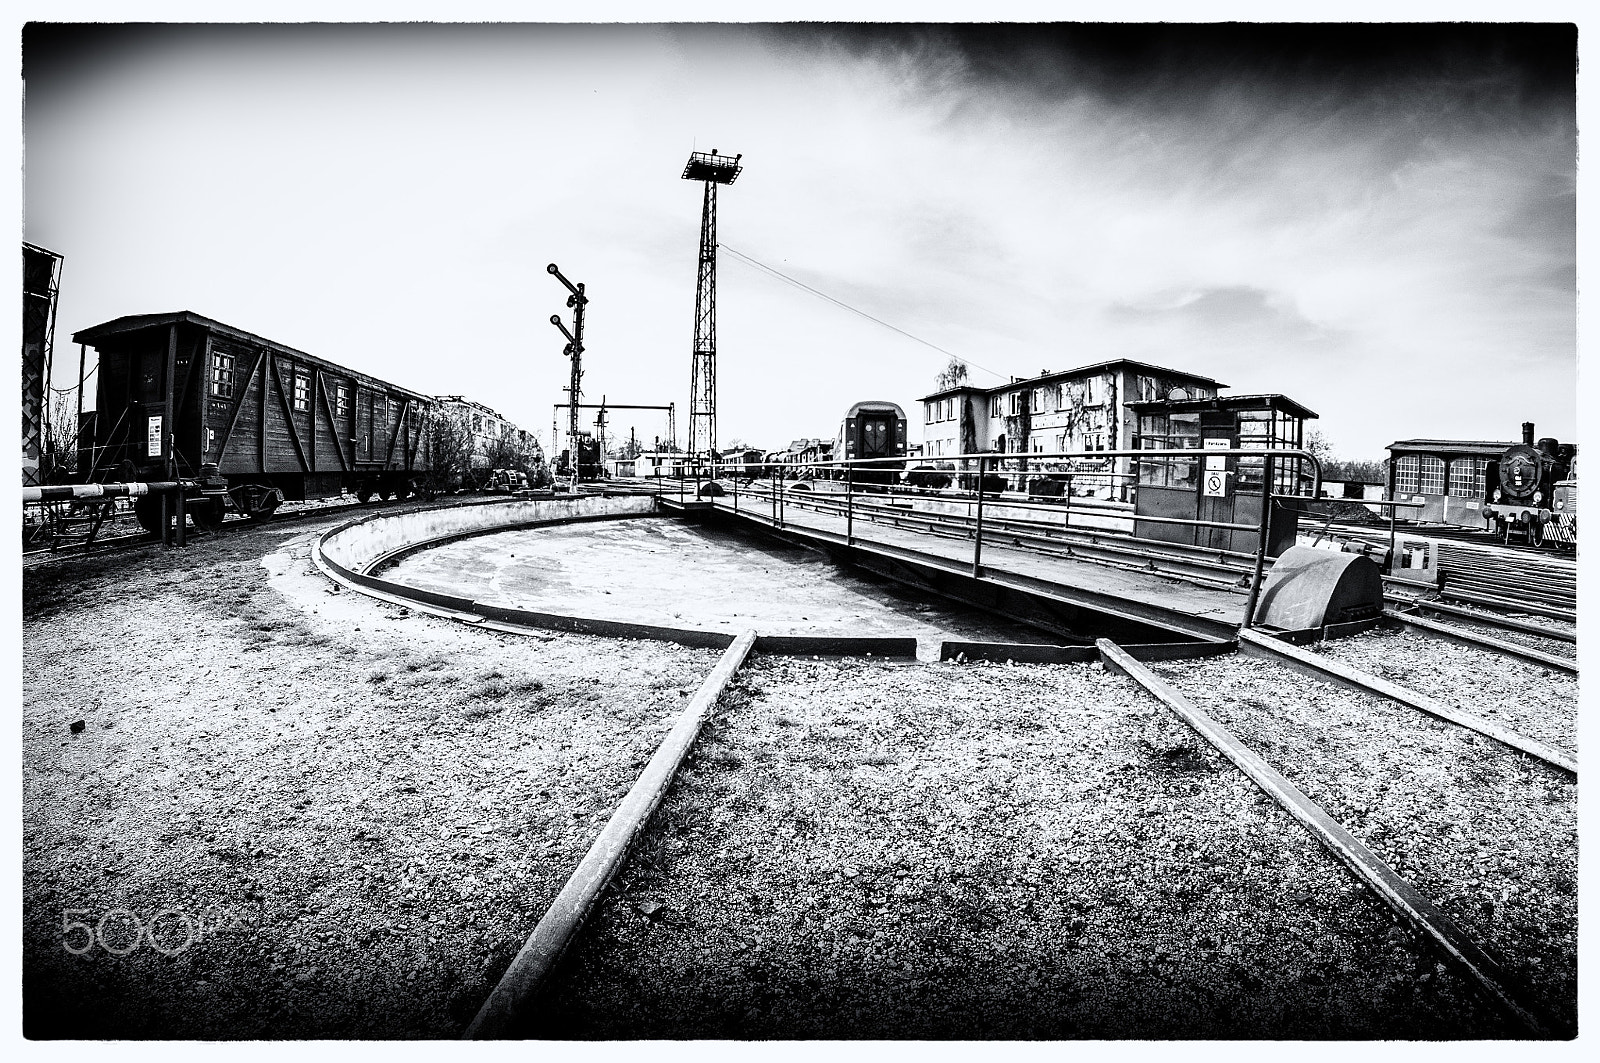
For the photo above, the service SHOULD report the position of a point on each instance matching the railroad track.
(112, 544)
(513, 1008)
(1514, 577)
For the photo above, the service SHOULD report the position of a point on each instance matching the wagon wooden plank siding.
(276, 422)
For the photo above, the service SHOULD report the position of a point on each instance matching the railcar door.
(363, 424)
(877, 436)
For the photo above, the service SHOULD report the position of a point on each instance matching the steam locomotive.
(1531, 492)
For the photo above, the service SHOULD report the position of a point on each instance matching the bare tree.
(955, 372)
(450, 436)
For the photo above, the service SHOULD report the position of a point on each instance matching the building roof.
(94, 334)
(1268, 401)
(1082, 370)
(1464, 447)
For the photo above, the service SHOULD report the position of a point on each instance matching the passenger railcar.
(873, 430)
(1532, 491)
(255, 421)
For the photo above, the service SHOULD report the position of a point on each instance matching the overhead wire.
(855, 310)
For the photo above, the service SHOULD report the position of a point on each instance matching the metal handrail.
(779, 472)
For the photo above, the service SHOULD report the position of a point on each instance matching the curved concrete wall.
(361, 545)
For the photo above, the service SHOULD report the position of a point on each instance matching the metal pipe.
(62, 492)
(182, 528)
(849, 506)
(977, 538)
(1261, 542)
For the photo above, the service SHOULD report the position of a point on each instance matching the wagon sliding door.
(363, 424)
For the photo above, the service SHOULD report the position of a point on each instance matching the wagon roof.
(140, 322)
(875, 406)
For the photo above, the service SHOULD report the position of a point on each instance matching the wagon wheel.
(364, 493)
(384, 492)
(207, 512)
(147, 511)
(263, 503)
(402, 491)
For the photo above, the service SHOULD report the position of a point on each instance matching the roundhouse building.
(1445, 475)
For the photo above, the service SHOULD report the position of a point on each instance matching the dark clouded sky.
(1378, 221)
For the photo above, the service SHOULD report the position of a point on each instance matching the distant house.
(492, 435)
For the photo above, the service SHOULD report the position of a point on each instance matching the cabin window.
(222, 370)
(1160, 431)
(302, 391)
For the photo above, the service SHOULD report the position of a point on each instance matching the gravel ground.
(361, 811)
(1487, 834)
(972, 851)
(1529, 698)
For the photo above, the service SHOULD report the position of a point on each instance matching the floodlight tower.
(714, 170)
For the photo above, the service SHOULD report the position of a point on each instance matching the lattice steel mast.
(714, 170)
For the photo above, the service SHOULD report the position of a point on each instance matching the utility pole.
(714, 170)
(577, 301)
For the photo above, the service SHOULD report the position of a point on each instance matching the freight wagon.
(180, 396)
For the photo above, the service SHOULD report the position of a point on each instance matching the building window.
(994, 406)
(927, 413)
(1430, 475)
(222, 367)
(341, 400)
(302, 391)
(1466, 477)
(1405, 474)
(1014, 403)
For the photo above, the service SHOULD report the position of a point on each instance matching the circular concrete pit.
(658, 570)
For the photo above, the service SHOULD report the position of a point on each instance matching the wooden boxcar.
(183, 396)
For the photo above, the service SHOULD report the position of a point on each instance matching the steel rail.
(1254, 643)
(1487, 619)
(1452, 633)
(1370, 868)
(507, 1009)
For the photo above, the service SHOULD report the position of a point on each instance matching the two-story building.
(1075, 409)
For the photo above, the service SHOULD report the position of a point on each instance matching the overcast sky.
(1376, 221)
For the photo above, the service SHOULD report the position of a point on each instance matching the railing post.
(1261, 542)
(183, 532)
(166, 521)
(736, 492)
(977, 538)
(780, 500)
(849, 506)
